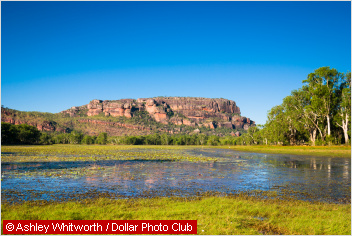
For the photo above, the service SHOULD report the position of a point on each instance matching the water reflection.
(317, 177)
(346, 171)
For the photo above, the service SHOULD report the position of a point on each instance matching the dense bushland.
(318, 113)
(19, 134)
(25, 134)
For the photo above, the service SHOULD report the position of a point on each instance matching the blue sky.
(55, 55)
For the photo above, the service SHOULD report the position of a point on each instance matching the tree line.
(318, 113)
(25, 134)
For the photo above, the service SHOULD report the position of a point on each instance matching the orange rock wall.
(194, 111)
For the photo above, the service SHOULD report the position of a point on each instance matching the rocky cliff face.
(175, 115)
(207, 112)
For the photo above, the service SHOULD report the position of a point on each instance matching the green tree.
(9, 133)
(213, 140)
(45, 139)
(28, 134)
(180, 140)
(307, 114)
(164, 139)
(302, 122)
(344, 109)
(202, 139)
(75, 137)
(87, 139)
(322, 86)
(263, 134)
(102, 138)
(62, 138)
(275, 126)
(253, 134)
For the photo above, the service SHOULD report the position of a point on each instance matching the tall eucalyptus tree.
(316, 110)
(322, 86)
(343, 117)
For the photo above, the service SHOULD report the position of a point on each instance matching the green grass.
(71, 152)
(326, 151)
(214, 215)
(331, 151)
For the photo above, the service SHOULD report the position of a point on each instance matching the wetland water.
(305, 177)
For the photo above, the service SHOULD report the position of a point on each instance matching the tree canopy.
(317, 112)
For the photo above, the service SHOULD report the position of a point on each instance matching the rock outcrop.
(110, 108)
(207, 112)
(42, 125)
(174, 115)
(241, 122)
(157, 111)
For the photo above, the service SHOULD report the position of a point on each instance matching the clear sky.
(55, 55)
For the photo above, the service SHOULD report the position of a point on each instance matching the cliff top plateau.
(140, 116)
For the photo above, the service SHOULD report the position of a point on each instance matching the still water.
(305, 177)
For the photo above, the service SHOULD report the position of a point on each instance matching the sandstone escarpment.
(207, 112)
(186, 105)
(174, 115)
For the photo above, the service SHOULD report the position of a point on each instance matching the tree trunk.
(328, 120)
(292, 137)
(312, 136)
(345, 129)
(346, 136)
(321, 135)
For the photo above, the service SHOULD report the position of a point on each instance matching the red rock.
(226, 124)
(210, 125)
(128, 113)
(161, 117)
(195, 110)
(188, 122)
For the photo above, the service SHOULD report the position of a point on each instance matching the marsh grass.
(214, 215)
(68, 152)
(324, 151)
